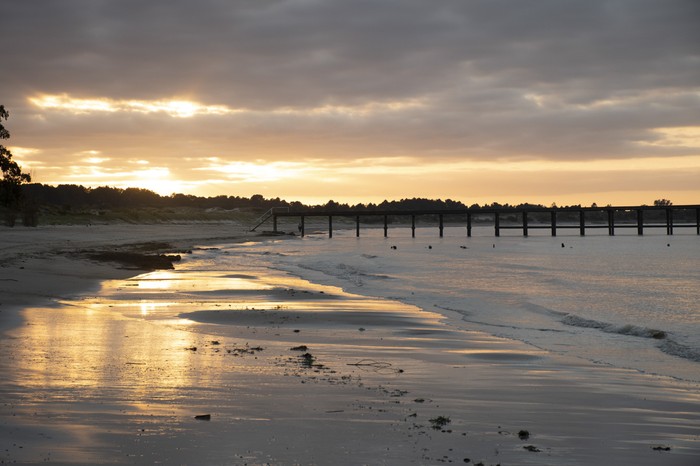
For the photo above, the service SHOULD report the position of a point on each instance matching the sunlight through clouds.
(250, 172)
(680, 137)
(353, 111)
(25, 156)
(187, 109)
(157, 179)
(400, 166)
(97, 160)
(173, 108)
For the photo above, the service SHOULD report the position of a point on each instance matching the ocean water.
(625, 301)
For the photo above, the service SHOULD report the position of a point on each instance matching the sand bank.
(46, 263)
(290, 373)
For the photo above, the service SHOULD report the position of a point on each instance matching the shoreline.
(42, 264)
(125, 387)
(664, 348)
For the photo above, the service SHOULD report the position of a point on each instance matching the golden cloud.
(179, 108)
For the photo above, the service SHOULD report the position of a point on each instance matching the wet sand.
(289, 372)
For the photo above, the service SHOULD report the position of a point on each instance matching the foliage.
(12, 176)
(662, 203)
(73, 198)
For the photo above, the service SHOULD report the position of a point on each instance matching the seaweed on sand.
(137, 260)
(439, 422)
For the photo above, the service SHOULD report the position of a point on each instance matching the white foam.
(626, 329)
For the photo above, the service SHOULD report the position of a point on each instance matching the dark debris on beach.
(143, 256)
(137, 260)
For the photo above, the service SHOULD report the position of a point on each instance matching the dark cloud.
(269, 51)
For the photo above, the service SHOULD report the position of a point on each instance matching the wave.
(676, 349)
(345, 272)
(667, 345)
(626, 329)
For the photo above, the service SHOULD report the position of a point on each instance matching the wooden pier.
(554, 219)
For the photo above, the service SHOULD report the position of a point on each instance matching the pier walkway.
(525, 218)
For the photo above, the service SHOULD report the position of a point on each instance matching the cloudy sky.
(359, 100)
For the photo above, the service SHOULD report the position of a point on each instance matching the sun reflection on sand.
(93, 351)
(179, 281)
(134, 337)
(148, 307)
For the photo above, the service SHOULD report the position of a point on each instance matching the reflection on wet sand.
(146, 346)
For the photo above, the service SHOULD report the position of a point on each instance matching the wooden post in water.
(554, 222)
(469, 223)
(497, 223)
(357, 226)
(330, 226)
(413, 226)
(611, 222)
(697, 220)
(386, 226)
(301, 222)
(525, 223)
(640, 222)
(441, 224)
(274, 223)
(669, 221)
(582, 222)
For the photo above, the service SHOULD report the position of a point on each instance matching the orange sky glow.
(363, 180)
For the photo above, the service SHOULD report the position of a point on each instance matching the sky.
(480, 101)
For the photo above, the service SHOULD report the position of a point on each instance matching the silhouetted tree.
(12, 176)
(257, 200)
(662, 203)
(139, 197)
(106, 196)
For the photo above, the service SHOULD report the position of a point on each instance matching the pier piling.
(640, 222)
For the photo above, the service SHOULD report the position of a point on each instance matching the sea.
(626, 301)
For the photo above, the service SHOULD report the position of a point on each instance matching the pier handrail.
(500, 213)
(264, 217)
(477, 211)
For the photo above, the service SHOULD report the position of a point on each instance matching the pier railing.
(273, 212)
(523, 218)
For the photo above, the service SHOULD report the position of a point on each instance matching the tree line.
(106, 197)
(12, 175)
(71, 196)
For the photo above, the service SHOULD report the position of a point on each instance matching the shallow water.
(627, 301)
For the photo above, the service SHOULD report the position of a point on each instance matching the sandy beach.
(106, 364)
